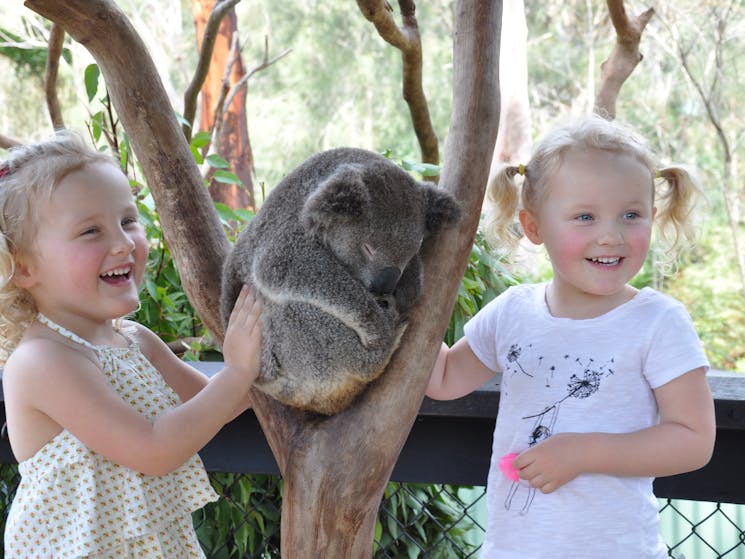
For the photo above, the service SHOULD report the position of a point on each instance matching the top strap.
(65, 332)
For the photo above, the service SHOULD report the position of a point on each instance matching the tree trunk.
(335, 469)
(514, 135)
(233, 144)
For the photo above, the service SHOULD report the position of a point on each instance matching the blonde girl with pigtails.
(603, 385)
(104, 420)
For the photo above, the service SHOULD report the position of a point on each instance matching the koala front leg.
(307, 273)
(409, 286)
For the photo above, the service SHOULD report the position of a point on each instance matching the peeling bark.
(225, 67)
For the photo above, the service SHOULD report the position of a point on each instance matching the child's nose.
(123, 243)
(610, 236)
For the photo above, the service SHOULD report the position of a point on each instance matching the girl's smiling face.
(595, 220)
(90, 250)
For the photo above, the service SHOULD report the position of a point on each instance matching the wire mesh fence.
(433, 521)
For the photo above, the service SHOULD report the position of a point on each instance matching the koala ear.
(341, 196)
(441, 209)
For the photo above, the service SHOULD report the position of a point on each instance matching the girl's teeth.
(606, 260)
(117, 272)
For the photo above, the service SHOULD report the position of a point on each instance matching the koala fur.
(334, 255)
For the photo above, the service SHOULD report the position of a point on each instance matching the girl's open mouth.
(117, 275)
(606, 261)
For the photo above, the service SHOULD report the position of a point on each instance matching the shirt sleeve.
(675, 348)
(481, 332)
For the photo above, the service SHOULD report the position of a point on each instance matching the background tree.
(514, 138)
(223, 69)
(708, 61)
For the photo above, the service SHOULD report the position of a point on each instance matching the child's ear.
(22, 274)
(530, 227)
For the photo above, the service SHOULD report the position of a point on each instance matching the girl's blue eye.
(584, 217)
(630, 215)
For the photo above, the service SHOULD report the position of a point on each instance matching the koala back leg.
(231, 287)
(314, 362)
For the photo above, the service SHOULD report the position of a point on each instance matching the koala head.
(374, 218)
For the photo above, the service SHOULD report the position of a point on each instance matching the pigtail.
(677, 189)
(503, 198)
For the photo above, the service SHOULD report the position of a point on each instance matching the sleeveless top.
(73, 502)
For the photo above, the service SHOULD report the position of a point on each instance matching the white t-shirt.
(565, 375)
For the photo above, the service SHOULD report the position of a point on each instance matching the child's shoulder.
(657, 300)
(147, 340)
(523, 293)
(38, 348)
(516, 298)
(41, 360)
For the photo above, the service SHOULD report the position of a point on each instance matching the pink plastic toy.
(508, 470)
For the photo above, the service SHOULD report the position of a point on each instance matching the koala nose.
(385, 281)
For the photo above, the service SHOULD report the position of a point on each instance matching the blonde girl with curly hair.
(104, 420)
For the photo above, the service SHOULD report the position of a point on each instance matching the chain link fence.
(431, 521)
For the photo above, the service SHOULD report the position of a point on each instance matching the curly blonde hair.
(675, 187)
(28, 177)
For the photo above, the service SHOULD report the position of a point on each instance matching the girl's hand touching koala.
(242, 346)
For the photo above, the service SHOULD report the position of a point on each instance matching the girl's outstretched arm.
(55, 387)
(457, 372)
(188, 381)
(682, 441)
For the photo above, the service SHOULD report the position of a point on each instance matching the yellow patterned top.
(73, 502)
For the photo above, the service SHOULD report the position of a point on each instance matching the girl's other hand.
(552, 462)
(242, 346)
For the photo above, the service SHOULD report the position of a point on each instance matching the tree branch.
(191, 94)
(624, 58)
(54, 51)
(7, 142)
(408, 41)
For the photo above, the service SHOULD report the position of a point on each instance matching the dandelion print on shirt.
(584, 381)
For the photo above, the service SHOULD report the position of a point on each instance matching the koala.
(334, 255)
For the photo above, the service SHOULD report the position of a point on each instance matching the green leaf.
(200, 139)
(227, 177)
(214, 160)
(430, 170)
(92, 74)
(197, 154)
(225, 212)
